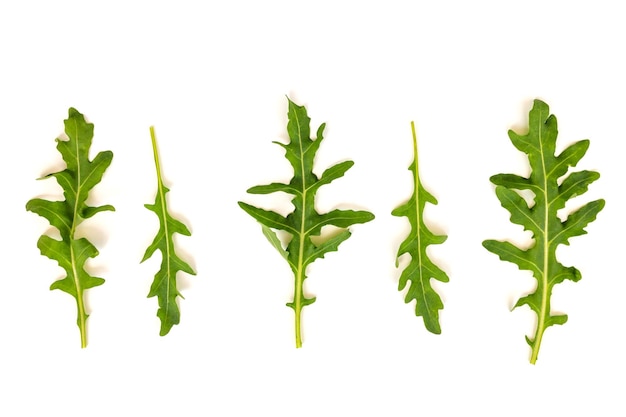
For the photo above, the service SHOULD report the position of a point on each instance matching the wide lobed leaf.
(77, 179)
(304, 221)
(551, 192)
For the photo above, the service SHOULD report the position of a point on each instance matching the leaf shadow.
(521, 127)
(327, 232)
(96, 234)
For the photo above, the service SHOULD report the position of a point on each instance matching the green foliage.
(164, 284)
(550, 195)
(421, 269)
(304, 222)
(79, 177)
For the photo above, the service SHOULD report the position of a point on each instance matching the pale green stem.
(298, 307)
(80, 303)
(414, 147)
(82, 320)
(418, 215)
(536, 344)
(297, 302)
(156, 155)
(166, 232)
(301, 266)
(544, 309)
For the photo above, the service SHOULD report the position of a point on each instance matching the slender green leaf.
(272, 188)
(272, 237)
(268, 218)
(541, 219)
(76, 180)
(421, 269)
(164, 285)
(304, 222)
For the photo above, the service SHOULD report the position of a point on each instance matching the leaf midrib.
(418, 224)
(302, 219)
(546, 245)
(79, 290)
(166, 255)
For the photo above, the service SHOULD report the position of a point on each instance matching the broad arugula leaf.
(551, 189)
(164, 284)
(421, 269)
(77, 180)
(304, 222)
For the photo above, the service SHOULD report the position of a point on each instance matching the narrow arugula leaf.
(421, 269)
(304, 222)
(275, 241)
(164, 284)
(541, 217)
(77, 179)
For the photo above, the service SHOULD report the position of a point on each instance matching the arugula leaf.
(304, 222)
(79, 177)
(421, 269)
(164, 284)
(550, 195)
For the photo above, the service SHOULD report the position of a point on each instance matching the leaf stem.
(297, 302)
(297, 306)
(156, 156)
(536, 345)
(545, 303)
(303, 236)
(414, 148)
(418, 219)
(166, 233)
(80, 302)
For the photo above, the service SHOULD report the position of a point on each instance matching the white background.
(213, 80)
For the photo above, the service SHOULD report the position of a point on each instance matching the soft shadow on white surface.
(212, 80)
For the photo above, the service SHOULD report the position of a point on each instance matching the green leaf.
(421, 269)
(275, 241)
(164, 284)
(76, 180)
(304, 222)
(541, 218)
